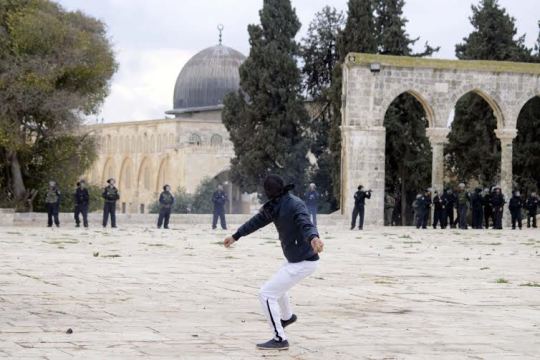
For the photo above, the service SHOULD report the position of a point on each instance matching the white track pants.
(274, 297)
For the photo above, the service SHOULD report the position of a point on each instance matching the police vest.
(52, 197)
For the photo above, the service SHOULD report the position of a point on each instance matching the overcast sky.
(154, 39)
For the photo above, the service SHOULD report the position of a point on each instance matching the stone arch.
(494, 105)
(125, 180)
(144, 178)
(163, 175)
(216, 140)
(428, 110)
(109, 170)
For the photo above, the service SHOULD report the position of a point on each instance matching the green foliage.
(67, 202)
(526, 149)
(202, 199)
(473, 149)
(357, 35)
(392, 38)
(266, 119)
(493, 37)
(55, 66)
(319, 52)
(408, 152)
(198, 203)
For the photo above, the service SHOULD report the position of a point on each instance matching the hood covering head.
(274, 186)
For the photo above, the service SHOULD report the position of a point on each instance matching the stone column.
(506, 136)
(362, 163)
(438, 138)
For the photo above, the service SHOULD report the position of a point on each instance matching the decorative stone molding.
(437, 135)
(506, 136)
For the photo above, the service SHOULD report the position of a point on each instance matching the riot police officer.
(52, 203)
(487, 207)
(82, 199)
(532, 206)
(515, 205)
(477, 211)
(219, 198)
(166, 201)
(439, 214)
(450, 199)
(497, 202)
(359, 207)
(111, 196)
(312, 202)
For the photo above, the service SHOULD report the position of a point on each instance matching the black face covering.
(274, 187)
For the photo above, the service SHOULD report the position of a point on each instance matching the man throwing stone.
(300, 243)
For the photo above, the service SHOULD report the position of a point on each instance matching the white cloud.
(143, 87)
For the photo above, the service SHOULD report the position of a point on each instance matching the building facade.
(182, 151)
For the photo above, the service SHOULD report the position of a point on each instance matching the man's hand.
(228, 241)
(317, 244)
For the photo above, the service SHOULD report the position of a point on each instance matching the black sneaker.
(274, 345)
(286, 323)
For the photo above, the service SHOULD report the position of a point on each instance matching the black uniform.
(111, 196)
(450, 200)
(497, 201)
(359, 208)
(82, 199)
(477, 211)
(52, 202)
(423, 203)
(488, 209)
(219, 199)
(532, 206)
(515, 205)
(166, 200)
(439, 214)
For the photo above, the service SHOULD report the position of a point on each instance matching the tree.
(55, 66)
(408, 152)
(267, 119)
(474, 150)
(493, 37)
(202, 199)
(320, 56)
(357, 36)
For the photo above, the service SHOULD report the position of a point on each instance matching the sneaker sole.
(273, 349)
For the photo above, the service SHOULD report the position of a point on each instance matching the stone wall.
(437, 85)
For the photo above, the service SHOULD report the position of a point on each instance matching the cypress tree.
(357, 36)
(473, 149)
(320, 55)
(266, 119)
(408, 152)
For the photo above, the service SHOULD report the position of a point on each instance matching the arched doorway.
(526, 150)
(408, 157)
(473, 153)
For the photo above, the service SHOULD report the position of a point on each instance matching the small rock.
(96, 254)
(69, 331)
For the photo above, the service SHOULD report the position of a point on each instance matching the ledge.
(360, 59)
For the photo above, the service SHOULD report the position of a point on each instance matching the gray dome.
(206, 78)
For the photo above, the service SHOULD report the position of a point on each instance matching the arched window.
(216, 140)
(195, 139)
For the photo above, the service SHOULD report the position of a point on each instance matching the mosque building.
(182, 151)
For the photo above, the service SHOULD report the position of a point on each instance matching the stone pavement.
(385, 293)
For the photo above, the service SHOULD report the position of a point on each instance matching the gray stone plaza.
(385, 293)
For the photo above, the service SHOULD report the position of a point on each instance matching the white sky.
(153, 39)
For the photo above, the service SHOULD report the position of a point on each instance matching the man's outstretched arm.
(260, 220)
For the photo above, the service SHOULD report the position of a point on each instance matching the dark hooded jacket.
(291, 218)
